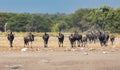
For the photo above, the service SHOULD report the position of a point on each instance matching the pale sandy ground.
(92, 57)
(60, 60)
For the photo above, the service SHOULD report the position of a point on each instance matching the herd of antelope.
(91, 36)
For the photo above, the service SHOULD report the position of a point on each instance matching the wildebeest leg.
(78, 42)
(71, 44)
(112, 42)
(62, 44)
(101, 43)
(31, 44)
(28, 44)
(11, 43)
(44, 43)
(105, 43)
(59, 44)
(74, 44)
(25, 43)
(94, 40)
(90, 40)
(83, 44)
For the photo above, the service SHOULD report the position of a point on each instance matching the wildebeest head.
(31, 37)
(76, 35)
(10, 36)
(60, 35)
(45, 36)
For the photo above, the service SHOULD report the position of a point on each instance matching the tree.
(59, 26)
(3, 20)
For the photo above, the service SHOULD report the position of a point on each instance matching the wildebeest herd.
(75, 38)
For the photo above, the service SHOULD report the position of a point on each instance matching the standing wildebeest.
(84, 41)
(112, 38)
(10, 38)
(92, 36)
(103, 38)
(60, 39)
(78, 38)
(28, 38)
(75, 38)
(72, 40)
(45, 38)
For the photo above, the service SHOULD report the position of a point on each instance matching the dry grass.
(52, 45)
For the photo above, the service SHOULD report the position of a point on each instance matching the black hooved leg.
(11, 44)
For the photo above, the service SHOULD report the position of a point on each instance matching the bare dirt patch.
(92, 57)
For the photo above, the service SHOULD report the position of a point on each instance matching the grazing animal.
(45, 38)
(28, 38)
(72, 40)
(60, 39)
(103, 38)
(112, 39)
(84, 41)
(10, 38)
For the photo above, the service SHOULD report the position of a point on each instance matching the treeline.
(103, 18)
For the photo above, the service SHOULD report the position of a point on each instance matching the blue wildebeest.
(78, 38)
(112, 38)
(103, 38)
(92, 36)
(72, 40)
(60, 39)
(84, 41)
(75, 38)
(28, 38)
(10, 38)
(45, 38)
